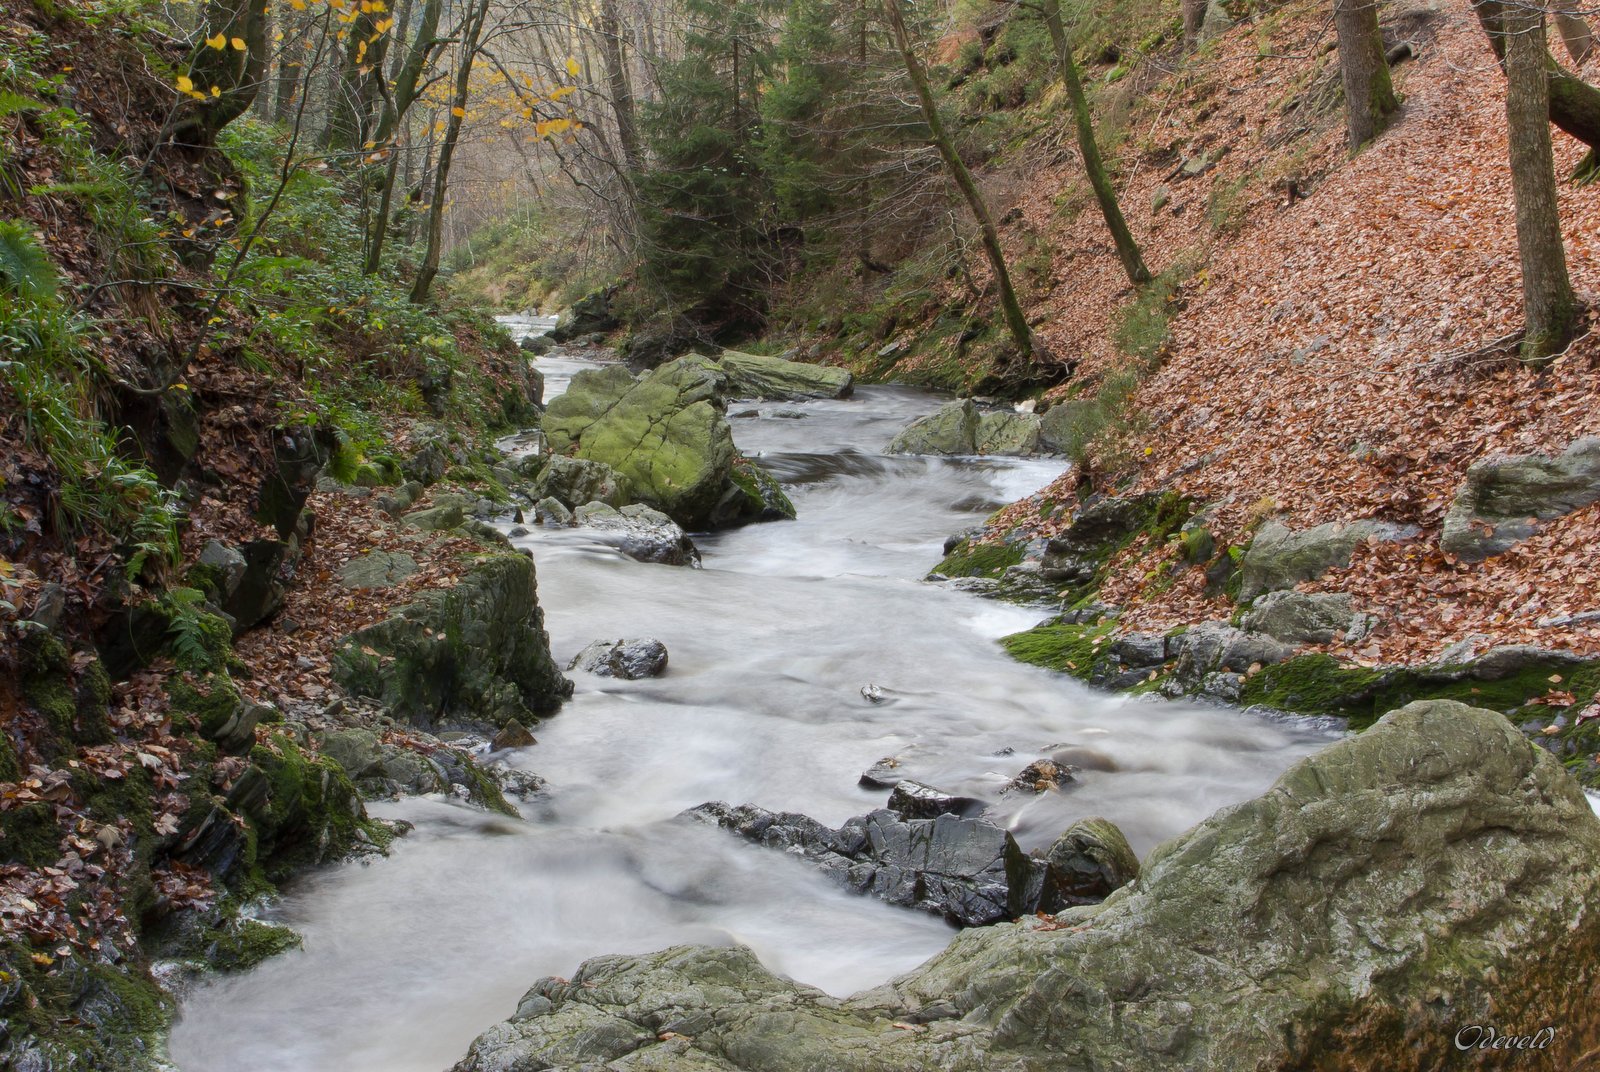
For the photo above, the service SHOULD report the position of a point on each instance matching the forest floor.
(1339, 354)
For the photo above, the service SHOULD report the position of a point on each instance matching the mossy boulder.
(667, 438)
(311, 812)
(74, 1014)
(1503, 499)
(474, 653)
(964, 427)
(1281, 557)
(1433, 873)
(779, 380)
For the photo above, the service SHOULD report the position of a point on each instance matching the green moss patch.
(1072, 649)
(972, 559)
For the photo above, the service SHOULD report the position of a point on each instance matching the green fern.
(191, 643)
(25, 267)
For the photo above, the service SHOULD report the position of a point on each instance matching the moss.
(206, 701)
(312, 813)
(1316, 685)
(486, 791)
(1072, 649)
(47, 684)
(82, 1016)
(971, 559)
(241, 944)
(10, 764)
(30, 836)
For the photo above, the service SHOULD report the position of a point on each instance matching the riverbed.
(772, 643)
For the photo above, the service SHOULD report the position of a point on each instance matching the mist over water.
(406, 959)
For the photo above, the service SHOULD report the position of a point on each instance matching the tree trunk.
(1127, 248)
(1574, 103)
(1368, 94)
(357, 90)
(1194, 17)
(610, 31)
(1549, 307)
(1021, 334)
(236, 74)
(1576, 35)
(409, 68)
(475, 19)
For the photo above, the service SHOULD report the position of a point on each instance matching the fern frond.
(25, 267)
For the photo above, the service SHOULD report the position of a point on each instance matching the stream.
(406, 959)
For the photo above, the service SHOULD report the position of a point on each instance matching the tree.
(226, 70)
(1549, 307)
(1575, 34)
(1016, 322)
(1574, 103)
(472, 30)
(1104, 193)
(1368, 94)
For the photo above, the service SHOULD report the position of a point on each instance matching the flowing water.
(407, 958)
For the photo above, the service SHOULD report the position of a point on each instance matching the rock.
(1040, 776)
(669, 442)
(477, 652)
(1060, 427)
(537, 345)
(396, 502)
(1104, 525)
(535, 388)
(357, 751)
(51, 603)
(1211, 647)
(951, 429)
(575, 481)
(917, 800)
(1008, 433)
(1087, 864)
(1431, 873)
(228, 564)
(884, 774)
(589, 315)
(627, 659)
(641, 533)
(512, 735)
(1298, 618)
(773, 379)
(1504, 498)
(1280, 557)
(377, 569)
(270, 567)
(436, 518)
(551, 511)
(1079, 757)
(967, 870)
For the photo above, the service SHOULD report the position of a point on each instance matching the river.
(407, 958)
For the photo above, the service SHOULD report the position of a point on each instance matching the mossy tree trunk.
(1574, 103)
(1089, 149)
(1549, 307)
(1368, 94)
(227, 78)
(1016, 322)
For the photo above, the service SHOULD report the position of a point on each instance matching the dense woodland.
(1253, 270)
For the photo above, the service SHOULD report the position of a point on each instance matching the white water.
(407, 959)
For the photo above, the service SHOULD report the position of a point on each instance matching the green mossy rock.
(1435, 872)
(1280, 557)
(961, 427)
(774, 379)
(475, 653)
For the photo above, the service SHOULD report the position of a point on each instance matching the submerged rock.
(918, 800)
(627, 659)
(967, 870)
(1503, 499)
(1431, 873)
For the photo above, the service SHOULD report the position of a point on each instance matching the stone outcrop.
(1503, 499)
(1281, 557)
(1433, 873)
(474, 653)
(964, 427)
(666, 436)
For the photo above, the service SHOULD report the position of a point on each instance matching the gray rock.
(1087, 864)
(917, 800)
(626, 659)
(773, 379)
(512, 735)
(575, 481)
(357, 751)
(552, 511)
(1298, 618)
(477, 651)
(396, 502)
(641, 533)
(967, 870)
(1007, 433)
(377, 569)
(1321, 925)
(51, 603)
(537, 345)
(229, 564)
(1503, 498)
(887, 773)
(962, 427)
(436, 518)
(1280, 557)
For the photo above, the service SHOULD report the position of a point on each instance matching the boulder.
(436, 518)
(641, 533)
(1087, 864)
(774, 379)
(551, 511)
(1299, 618)
(537, 345)
(969, 871)
(474, 653)
(1503, 499)
(575, 481)
(1430, 874)
(1007, 433)
(668, 440)
(228, 564)
(512, 735)
(1281, 557)
(951, 429)
(1104, 525)
(377, 569)
(1213, 647)
(589, 315)
(627, 659)
(918, 800)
